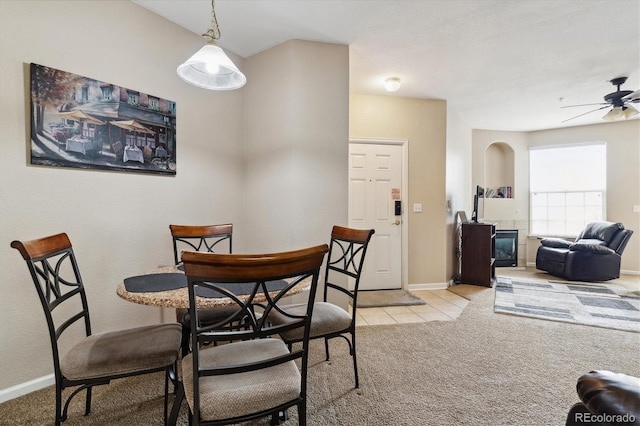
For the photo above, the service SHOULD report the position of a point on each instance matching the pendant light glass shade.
(210, 68)
(629, 111)
(615, 113)
(619, 113)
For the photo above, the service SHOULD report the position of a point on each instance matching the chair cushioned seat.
(234, 395)
(327, 318)
(122, 352)
(207, 316)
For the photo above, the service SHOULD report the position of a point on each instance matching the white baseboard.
(427, 286)
(26, 387)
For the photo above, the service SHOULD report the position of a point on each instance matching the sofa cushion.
(591, 241)
(555, 243)
(592, 248)
(604, 231)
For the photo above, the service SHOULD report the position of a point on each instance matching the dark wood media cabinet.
(478, 253)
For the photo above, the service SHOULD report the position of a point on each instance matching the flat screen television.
(478, 205)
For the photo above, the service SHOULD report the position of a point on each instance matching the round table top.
(179, 298)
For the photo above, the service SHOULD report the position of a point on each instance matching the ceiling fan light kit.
(620, 102)
(210, 68)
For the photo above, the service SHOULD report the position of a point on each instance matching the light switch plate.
(417, 208)
(636, 209)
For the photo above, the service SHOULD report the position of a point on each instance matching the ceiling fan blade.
(571, 106)
(597, 109)
(632, 97)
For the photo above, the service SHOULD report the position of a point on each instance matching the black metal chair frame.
(213, 271)
(347, 251)
(200, 238)
(203, 241)
(46, 271)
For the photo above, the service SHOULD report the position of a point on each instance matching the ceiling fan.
(620, 102)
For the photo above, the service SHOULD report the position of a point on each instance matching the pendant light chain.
(213, 33)
(210, 67)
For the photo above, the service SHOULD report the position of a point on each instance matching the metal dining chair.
(347, 251)
(256, 374)
(201, 238)
(97, 358)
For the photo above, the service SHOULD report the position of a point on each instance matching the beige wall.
(623, 177)
(458, 181)
(423, 123)
(118, 222)
(296, 120)
(271, 158)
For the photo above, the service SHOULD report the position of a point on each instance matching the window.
(85, 94)
(133, 98)
(154, 103)
(567, 186)
(107, 92)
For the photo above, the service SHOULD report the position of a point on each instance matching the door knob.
(397, 222)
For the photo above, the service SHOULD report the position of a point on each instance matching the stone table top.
(179, 298)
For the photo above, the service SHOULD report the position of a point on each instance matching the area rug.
(598, 305)
(380, 298)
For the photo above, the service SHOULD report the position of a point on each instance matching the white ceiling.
(501, 64)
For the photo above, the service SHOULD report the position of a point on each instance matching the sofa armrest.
(555, 243)
(591, 248)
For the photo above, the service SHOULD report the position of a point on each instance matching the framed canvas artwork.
(85, 123)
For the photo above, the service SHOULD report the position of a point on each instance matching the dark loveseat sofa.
(594, 256)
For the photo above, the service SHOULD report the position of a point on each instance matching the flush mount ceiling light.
(392, 84)
(210, 68)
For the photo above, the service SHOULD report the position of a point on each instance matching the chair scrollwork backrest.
(256, 285)
(201, 238)
(55, 273)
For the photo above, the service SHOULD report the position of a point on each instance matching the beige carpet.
(481, 369)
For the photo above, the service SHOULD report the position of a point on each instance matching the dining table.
(166, 287)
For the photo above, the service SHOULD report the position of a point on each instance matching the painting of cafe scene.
(81, 122)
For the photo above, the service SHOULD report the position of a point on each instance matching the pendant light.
(210, 68)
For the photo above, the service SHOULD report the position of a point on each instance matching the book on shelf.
(501, 192)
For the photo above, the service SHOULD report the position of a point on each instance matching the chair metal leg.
(302, 413)
(355, 360)
(59, 418)
(326, 348)
(88, 402)
(177, 402)
(186, 334)
(166, 395)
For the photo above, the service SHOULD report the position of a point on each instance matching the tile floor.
(442, 305)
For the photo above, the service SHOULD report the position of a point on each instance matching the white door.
(375, 178)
